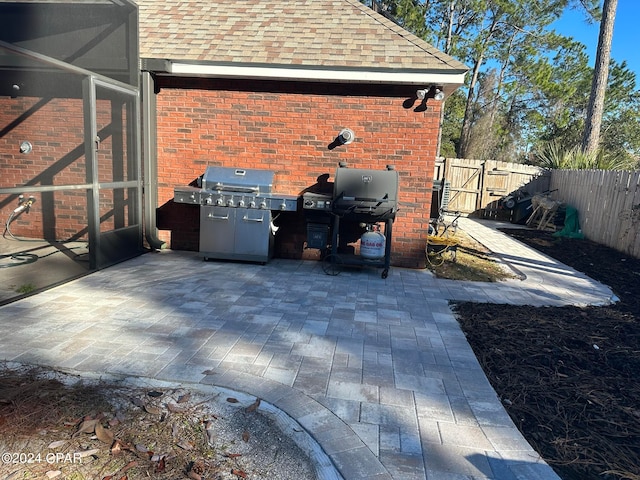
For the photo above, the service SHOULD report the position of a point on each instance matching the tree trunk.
(465, 134)
(447, 50)
(591, 136)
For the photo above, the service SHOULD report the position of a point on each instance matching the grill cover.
(367, 194)
(225, 179)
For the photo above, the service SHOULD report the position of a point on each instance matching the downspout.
(150, 161)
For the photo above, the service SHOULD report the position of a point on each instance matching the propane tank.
(372, 243)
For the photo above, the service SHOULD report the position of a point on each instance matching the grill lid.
(225, 179)
(365, 192)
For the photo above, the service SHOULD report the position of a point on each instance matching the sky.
(626, 34)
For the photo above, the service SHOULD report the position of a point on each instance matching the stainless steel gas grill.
(236, 205)
(364, 203)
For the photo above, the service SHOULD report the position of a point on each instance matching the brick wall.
(288, 128)
(55, 128)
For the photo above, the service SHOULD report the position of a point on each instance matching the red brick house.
(269, 84)
(89, 89)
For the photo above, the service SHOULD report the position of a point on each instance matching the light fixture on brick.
(423, 93)
(346, 136)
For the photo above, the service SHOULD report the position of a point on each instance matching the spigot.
(24, 206)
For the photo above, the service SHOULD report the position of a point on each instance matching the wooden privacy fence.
(608, 204)
(608, 201)
(476, 186)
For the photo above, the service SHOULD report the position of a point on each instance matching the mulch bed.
(568, 376)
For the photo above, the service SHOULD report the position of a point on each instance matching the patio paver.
(377, 371)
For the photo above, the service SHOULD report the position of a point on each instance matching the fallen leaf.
(88, 426)
(120, 446)
(194, 476)
(137, 402)
(253, 407)
(152, 410)
(239, 473)
(141, 448)
(232, 400)
(161, 465)
(129, 466)
(184, 398)
(116, 448)
(209, 372)
(56, 444)
(103, 434)
(86, 453)
(185, 445)
(53, 473)
(173, 408)
(245, 436)
(154, 393)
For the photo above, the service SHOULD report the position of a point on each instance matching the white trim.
(308, 74)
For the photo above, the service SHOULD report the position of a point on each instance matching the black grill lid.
(226, 179)
(365, 192)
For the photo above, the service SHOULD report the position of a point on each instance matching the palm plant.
(553, 155)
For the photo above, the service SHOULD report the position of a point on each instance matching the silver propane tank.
(372, 243)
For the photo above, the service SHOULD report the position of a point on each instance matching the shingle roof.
(318, 33)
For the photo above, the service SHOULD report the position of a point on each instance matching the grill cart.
(364, 202)
(236, 205)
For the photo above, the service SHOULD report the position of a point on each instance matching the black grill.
(365, 195)
(362, 200)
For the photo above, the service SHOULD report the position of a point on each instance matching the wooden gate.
(476, 186)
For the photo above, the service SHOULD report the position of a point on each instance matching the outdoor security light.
(423, 93)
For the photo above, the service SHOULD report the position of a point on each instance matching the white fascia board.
(316, 75)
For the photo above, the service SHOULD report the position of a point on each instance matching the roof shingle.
(319, 33)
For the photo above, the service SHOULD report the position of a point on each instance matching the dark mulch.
(568, 376)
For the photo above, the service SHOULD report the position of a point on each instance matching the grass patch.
(26, 288)
(469, 260)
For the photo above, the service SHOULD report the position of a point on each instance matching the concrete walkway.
(377, 371)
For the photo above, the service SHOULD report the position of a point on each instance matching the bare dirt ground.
(56, 425)
(569, 376)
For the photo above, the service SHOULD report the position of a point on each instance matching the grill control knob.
(252, 204)
(263, 205)
(220, 202)
(208, 201)
(283, 206)
(241, 203)
(230, 202)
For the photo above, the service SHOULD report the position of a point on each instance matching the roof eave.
(451, 78)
